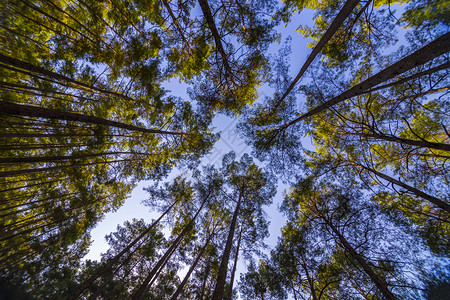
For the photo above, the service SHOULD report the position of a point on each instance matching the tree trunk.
(293, 290)
(11, 61)
(9, 108)
(92, 11)
(177, 25)
(434, 49)
(235, 265)
(337, 22)
(191, 269)
(308, 277)
(35, 159)
(432, 199)
(221, 278)
(50, 199)
(140, 293)
(217, 39)
(202, 294)
(88, 282)
(28, 171)
(381, 285)
(418, 143)
(27, 186)
(417, 75)
(34, 7)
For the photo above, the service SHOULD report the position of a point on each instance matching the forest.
(359, 132)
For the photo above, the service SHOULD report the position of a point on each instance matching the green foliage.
(85, 116)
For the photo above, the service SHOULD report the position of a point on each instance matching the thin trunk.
(60, 134)
(381, 285)
(35, 8)
(293, 289)
(101, 288)
(308, 277)
(28, 186)
(99, 18)
(99, 38)
(434, 49)
(44, 146)
(45, 214)
(37, 201)
(233, 272)
(158, 271)
(18, 259)
(175, 21)
(212, 27)
(222, 277)
(432, 199)
(140, 293)
(28, 92)
(122, 12)
(202, 293)
(191, 269)
(28, 171)
(33, 219)
(57, 33)
(417, 95)
(26, 180)
(22, 87)
(35, 159)
(43, 244)
(11, 61)
(88, 282)
(23, 196)
(26, 231)
(418, 143)
(21, 211)
(9, 108)
(417, 75)
(16, 34)
(337, 22)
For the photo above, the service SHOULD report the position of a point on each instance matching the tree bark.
(381, 285)
(28, 171)
(337, 22)
(35, 159)
(217, 39)
(27, 186)
(191, 269)
(438, 202)
(34, 7)
(308, 277)
(204, 283)
(293, 289)
(434, 49)
(222, 276)
(417, 75)
(140, 293)
(11, 61)
(15, 109)
(418, 143)
(230, 293)
(175, 21)
(88, 282)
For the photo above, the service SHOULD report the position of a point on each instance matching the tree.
(259, 282)
(131, 267)
(85, 115)
(347, 228)
(250, 188)
(80, 90)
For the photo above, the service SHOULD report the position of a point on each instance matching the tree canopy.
(360, 132)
